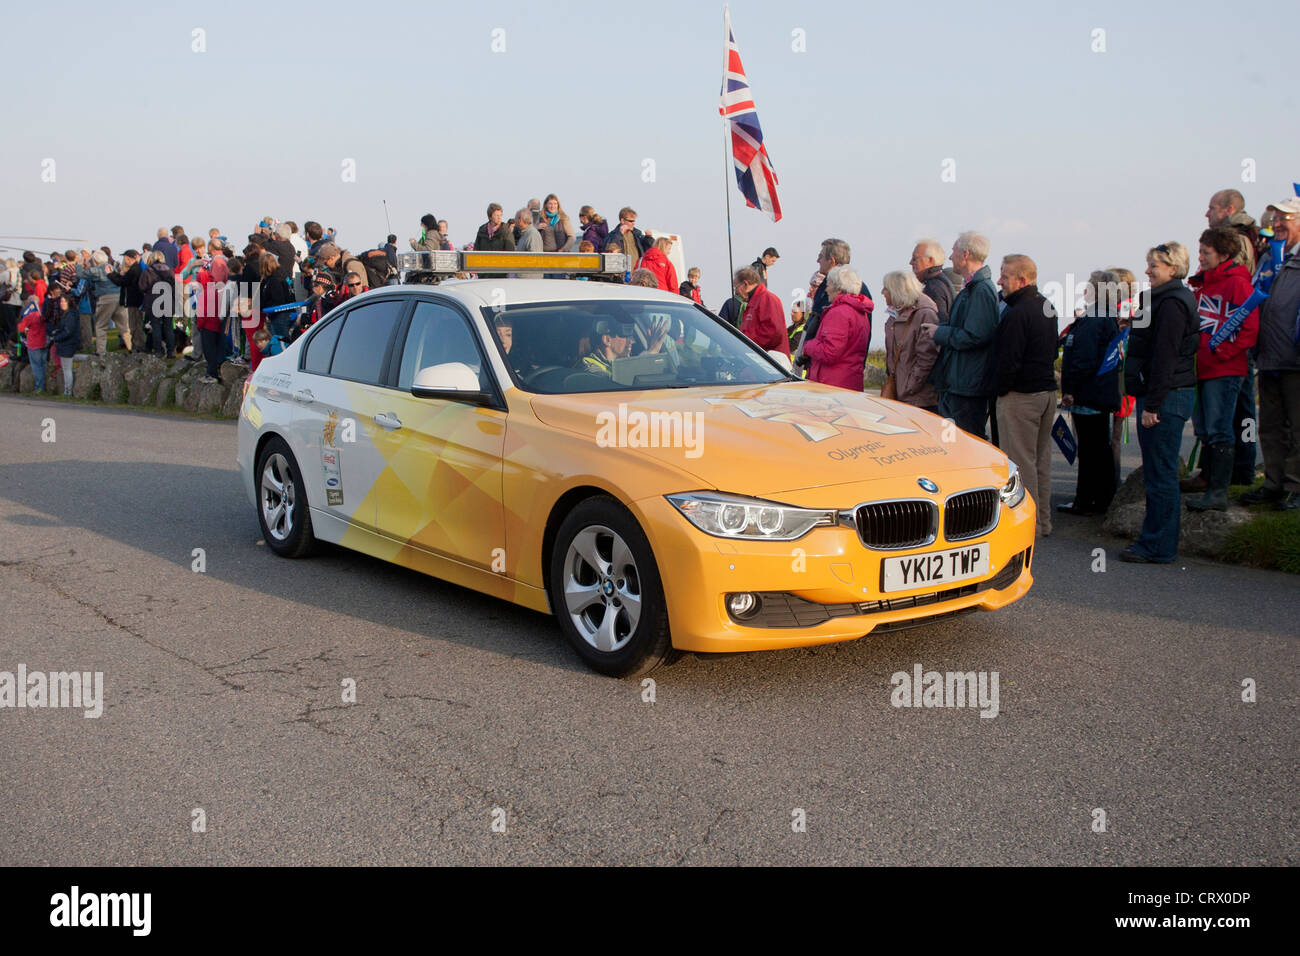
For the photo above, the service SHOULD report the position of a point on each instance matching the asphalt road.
(1118, 690)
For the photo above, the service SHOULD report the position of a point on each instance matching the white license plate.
(936, 568)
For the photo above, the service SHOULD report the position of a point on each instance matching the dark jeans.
(1279, 429)
(1216, 408)
(1096, 484)
(969, 413)
(161, 335)
(1243, 463)
(213, 352)
(1160, 443)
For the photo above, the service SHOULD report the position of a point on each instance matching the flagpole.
(727, 163)
(726, 190)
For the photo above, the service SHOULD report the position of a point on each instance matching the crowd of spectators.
(975, 349)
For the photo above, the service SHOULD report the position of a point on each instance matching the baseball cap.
(1289, 206)
(623, 329)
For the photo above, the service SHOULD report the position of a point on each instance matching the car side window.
(364, 341)
(320, 348)
(438, 334)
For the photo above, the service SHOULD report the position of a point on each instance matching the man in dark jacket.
(764, 262)
(1278, 358)
(833, 252)
(1026, 381)
(635, 244)
(127, 278)
(964, 372)
(1160, 371)
(927, 266)
(168, 248)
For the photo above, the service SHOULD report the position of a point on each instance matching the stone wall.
(123, 378)
(1199, 532)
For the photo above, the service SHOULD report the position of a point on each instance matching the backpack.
(378, 269)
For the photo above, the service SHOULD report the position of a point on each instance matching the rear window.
(320, 348)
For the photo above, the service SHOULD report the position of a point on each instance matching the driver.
(614, 341)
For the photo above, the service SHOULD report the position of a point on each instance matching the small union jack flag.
(754, 172)
(1214, 311)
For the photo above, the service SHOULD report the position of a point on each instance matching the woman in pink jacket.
(839, 352)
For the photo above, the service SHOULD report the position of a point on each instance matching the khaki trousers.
(1025, 432)
(106, 311)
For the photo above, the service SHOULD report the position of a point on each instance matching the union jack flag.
(754, 172)
(1213, 311)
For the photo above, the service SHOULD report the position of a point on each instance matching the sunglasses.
(357, 284)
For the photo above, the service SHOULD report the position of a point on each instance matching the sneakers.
(207, 380)
(1290, 501)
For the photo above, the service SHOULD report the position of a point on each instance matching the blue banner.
(1114, 353)
(291, 305)
(1065, 439)
(1233, 322)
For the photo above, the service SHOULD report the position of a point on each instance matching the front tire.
(606, 592)
(282, 502)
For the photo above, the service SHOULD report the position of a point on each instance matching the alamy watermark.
(79, 690)
(633, 428)
(923, 688)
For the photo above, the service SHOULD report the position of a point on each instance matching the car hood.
(767, 439)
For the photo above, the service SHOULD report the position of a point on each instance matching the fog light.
(742, 606)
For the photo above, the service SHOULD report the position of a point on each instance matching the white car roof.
(483, 292)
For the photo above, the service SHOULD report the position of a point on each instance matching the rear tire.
(282, 507)
(606, 592)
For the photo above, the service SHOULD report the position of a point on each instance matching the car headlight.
(733, 516)
(1013, 492)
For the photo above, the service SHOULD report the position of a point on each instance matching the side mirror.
(454, 381)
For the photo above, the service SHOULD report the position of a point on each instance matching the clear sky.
(1080, 159)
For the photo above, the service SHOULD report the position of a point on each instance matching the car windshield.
(558, 348)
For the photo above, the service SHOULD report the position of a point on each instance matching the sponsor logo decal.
(815, 418)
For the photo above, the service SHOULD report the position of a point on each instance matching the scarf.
(553, 218)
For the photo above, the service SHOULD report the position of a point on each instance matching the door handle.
(304, 396)
(388, 420)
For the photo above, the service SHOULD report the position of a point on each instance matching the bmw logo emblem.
(927, 484)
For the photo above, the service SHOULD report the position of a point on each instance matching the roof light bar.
(433, 264)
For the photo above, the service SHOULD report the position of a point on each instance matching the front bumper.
(822, 588)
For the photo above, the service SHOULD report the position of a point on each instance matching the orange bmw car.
(628, 462)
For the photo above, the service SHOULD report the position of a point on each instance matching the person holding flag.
(1220, 288)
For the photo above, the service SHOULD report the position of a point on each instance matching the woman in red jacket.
(1219, 287)
(839, 352)
(657, 261)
